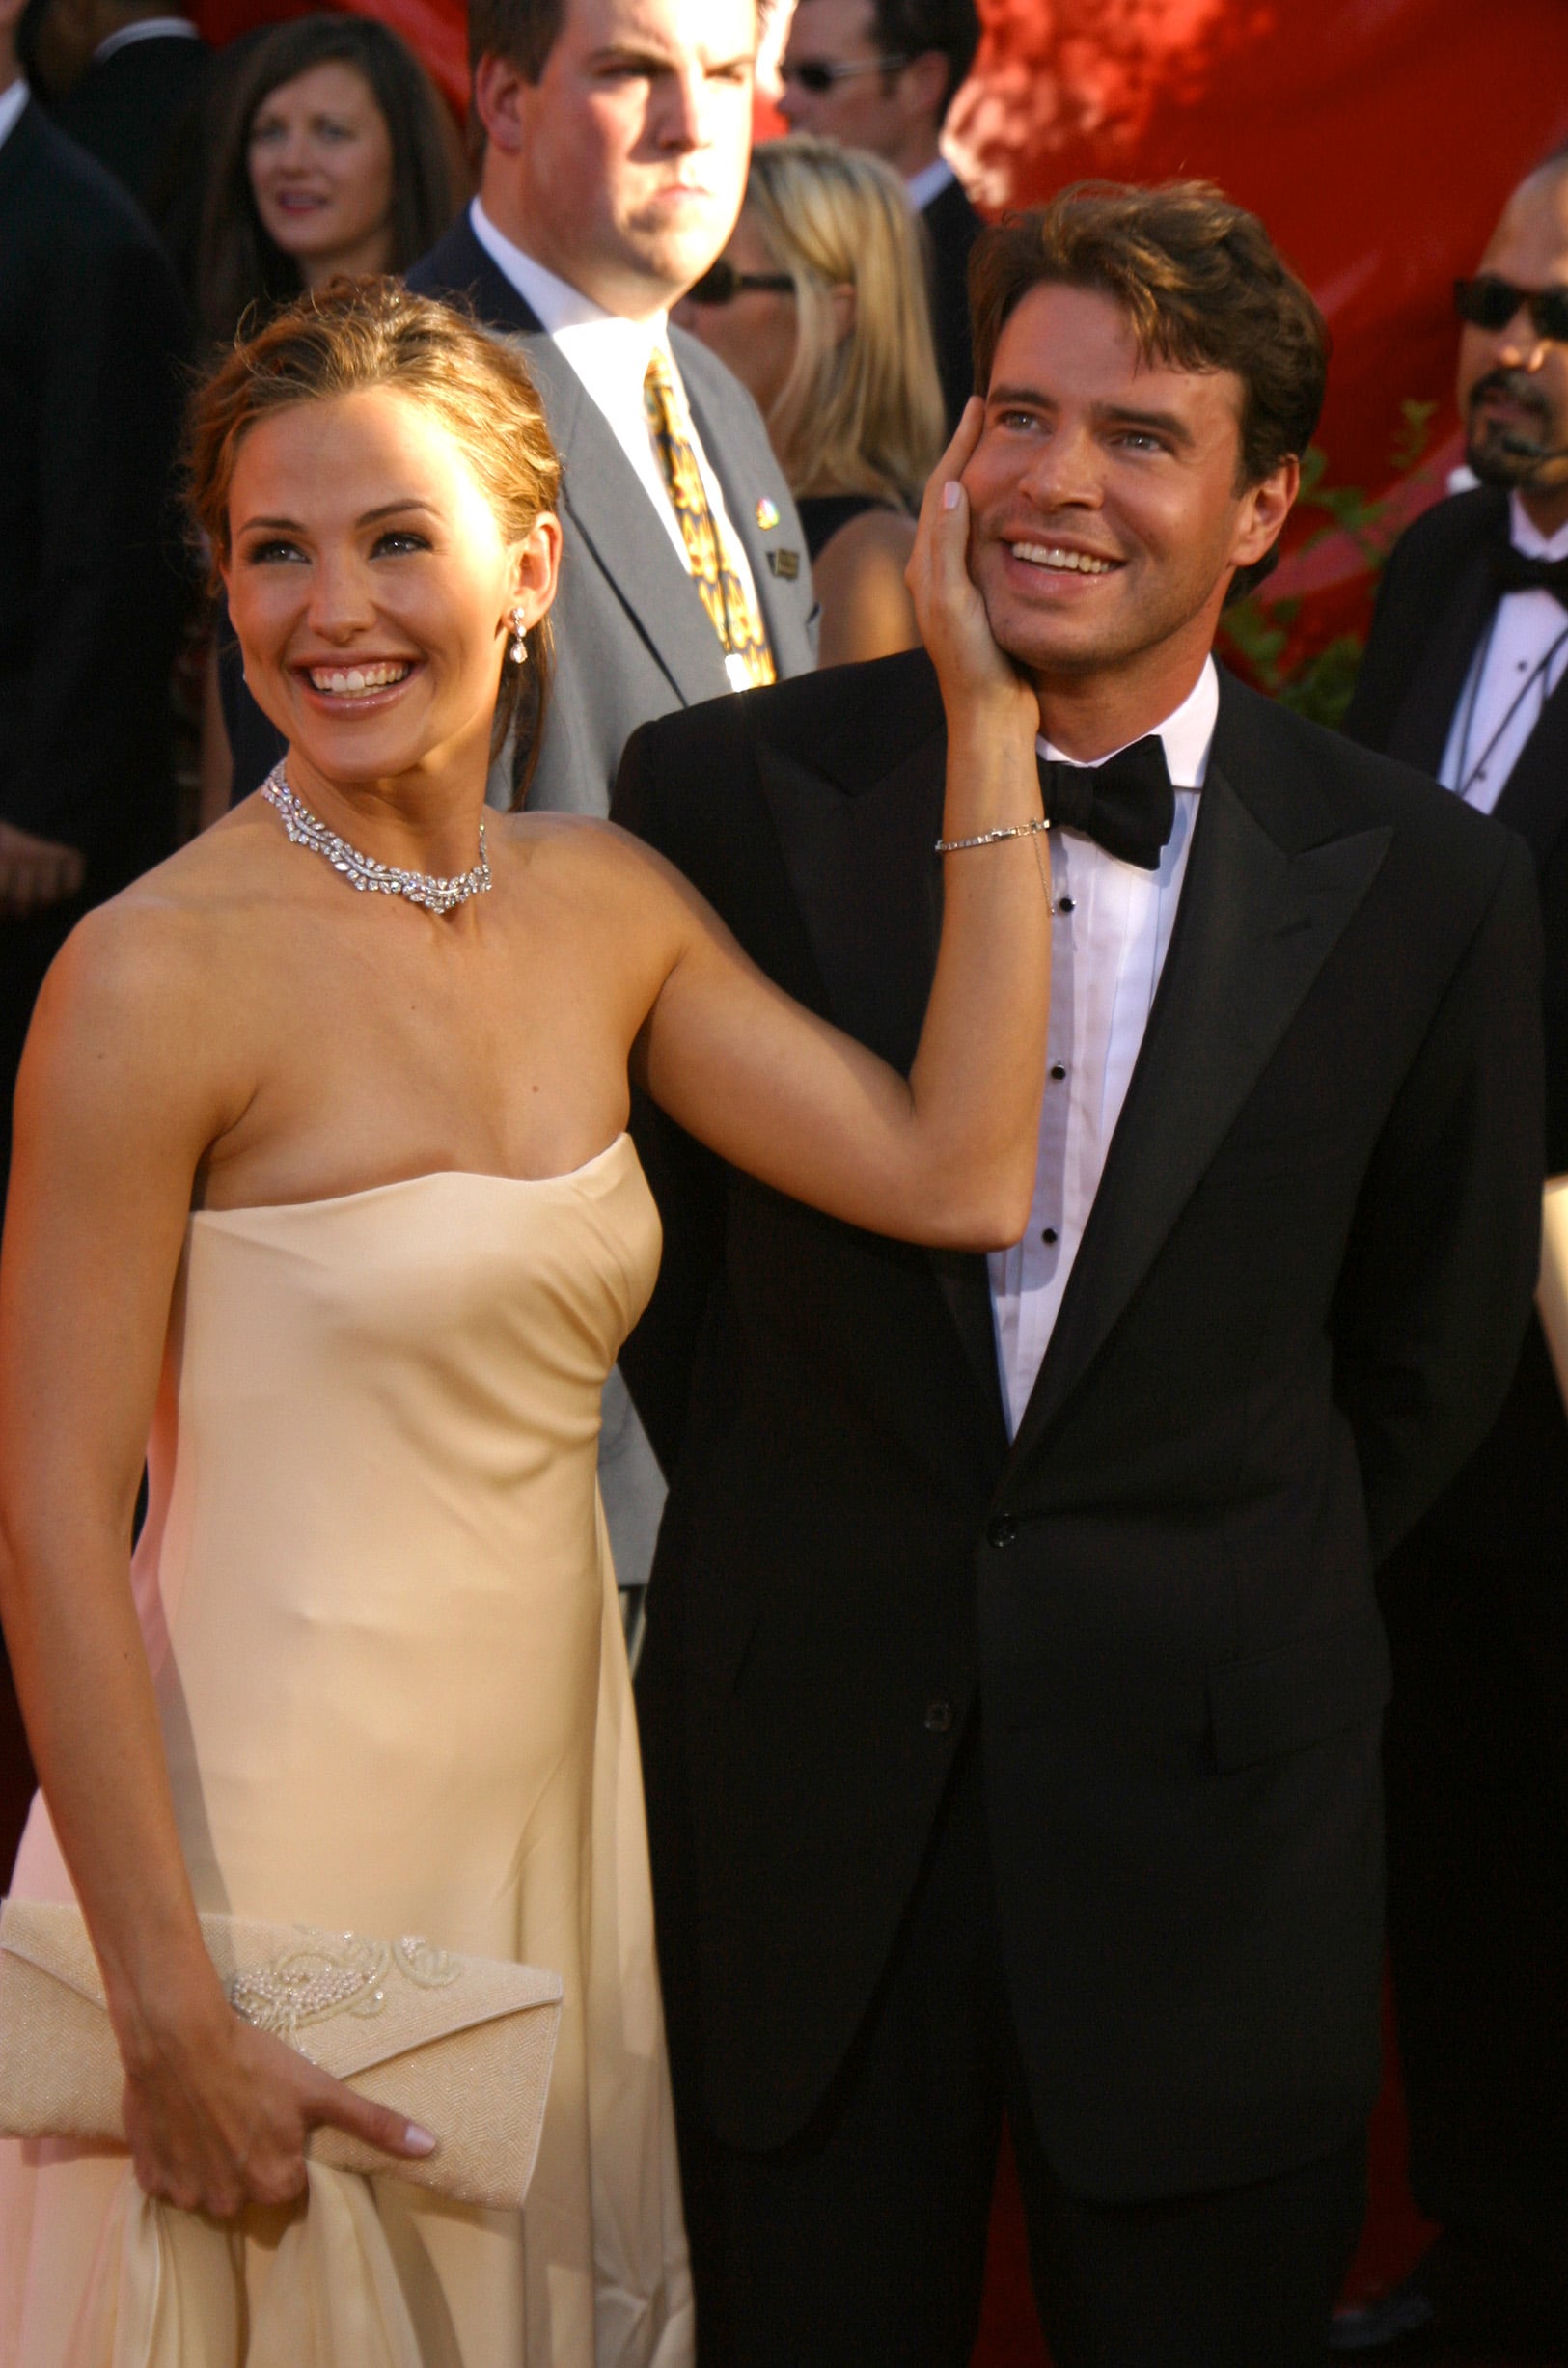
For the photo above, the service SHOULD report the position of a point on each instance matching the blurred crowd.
(158, 197)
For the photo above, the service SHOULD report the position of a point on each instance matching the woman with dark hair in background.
(338, 158)
(818, 304)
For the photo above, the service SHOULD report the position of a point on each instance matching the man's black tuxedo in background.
(953, 226)
(1293, 1313)
(91, 338)
(136, 111)
(92, 329)
(1477, 1598)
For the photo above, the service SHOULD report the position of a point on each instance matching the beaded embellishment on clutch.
(329, 1975)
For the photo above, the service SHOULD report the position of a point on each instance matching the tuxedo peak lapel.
(1419, 732)
(868, 888)
(867, 885)
(1258, 922)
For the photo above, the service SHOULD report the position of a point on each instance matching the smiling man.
(1013, 1682)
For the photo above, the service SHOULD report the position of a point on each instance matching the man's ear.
(922, 86)
(1264, 509)
(498, 87)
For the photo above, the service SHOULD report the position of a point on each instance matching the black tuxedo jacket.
(129, 108)
(953, 226)
(1295, 1307)
(632, 638)
(92, 340)
(1433, 606)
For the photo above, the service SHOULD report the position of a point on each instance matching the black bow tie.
(1126, 805)
(1517, 570)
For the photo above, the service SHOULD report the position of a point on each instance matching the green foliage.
(1317, 683)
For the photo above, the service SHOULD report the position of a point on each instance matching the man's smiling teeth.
(346, 680)
(1051, 555)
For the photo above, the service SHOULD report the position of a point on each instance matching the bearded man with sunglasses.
(1467, 676)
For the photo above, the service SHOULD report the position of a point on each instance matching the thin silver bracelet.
(986, 838)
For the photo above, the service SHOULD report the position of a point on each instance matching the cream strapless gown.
(376, 1592)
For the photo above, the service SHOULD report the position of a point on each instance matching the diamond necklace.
(363, 871)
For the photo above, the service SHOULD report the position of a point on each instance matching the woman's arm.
(122, 1090)
(860, 576)
(949, 1155)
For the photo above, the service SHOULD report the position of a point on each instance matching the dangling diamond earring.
(518, 651)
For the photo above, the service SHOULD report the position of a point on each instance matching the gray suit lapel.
(611, 510)
(776, 552)
(1255, 926)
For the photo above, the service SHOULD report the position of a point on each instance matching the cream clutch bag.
(462, 2045)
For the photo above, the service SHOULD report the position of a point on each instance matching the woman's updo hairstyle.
(359, 334)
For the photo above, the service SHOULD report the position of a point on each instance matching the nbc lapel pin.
(767, 513)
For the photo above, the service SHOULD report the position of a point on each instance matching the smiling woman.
(341, 1184)
(338, 157)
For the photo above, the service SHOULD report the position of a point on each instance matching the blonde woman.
(818, 304)
(331, 1195)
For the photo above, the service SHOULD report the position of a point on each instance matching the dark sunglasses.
(819, 74)
(722, 284)
(1490, 303)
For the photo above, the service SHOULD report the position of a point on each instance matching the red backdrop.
(1377, 138)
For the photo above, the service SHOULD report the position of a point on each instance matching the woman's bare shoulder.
(580, 854)
(881, 533)
(868, 611)
(140, 980)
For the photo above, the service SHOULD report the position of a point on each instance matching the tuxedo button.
(1048, 1235)
(1003, 1530)
(1058, 1071)
(938, 1717)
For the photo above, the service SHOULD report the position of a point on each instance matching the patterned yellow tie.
(710, 552)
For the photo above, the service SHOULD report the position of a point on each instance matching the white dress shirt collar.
(150, 29)
(1188, 734)
(555, 303)
(11, 102)
(928, 182)
(1518, 663)
(1527, 537)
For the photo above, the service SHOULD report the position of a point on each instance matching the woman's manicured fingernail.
(418, 2141)
(949, 494)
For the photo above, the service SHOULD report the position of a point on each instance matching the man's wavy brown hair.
(1201, 284)
(359, 334)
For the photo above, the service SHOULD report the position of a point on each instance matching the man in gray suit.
(616, 135)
